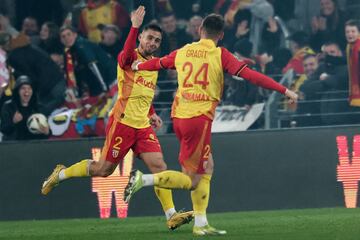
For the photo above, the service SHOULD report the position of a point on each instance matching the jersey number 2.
(201, 76)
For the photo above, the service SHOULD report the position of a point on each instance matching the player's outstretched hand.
(137, 16)
(134, 65)
(293, 97)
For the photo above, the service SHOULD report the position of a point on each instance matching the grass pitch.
(317, 224)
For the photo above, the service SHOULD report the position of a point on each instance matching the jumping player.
(200, 67)
(129, 123)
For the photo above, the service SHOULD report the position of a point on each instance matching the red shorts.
(194, 135)
(121, 138)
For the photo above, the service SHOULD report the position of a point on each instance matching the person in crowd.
(193, 27)
(5, 26)
(237, 91)
(6, 79)
(310, 64)
(352, 32)
(299, 47)
(102, 12)
(49, 38)
(174, 37)
(111, 41)
(89, 69)
(47, 79)
(331, 74)
(30, 28)
(328, 25)
(240, 29)
(15, 113)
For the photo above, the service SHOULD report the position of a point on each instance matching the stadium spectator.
(6, 78)
(352, 31)
(15, 113)
(240, 29)
(193, 27)
(49, 38)
(89, 70)
(328, 25)
(200, 66)
(299, 48)
(47, 79)
(110, 40)
(330, 75)
(311, 64)
(5, 26)
(102, 12)
(174, 37)
(237, 91)
(129, 124)
(30, 28)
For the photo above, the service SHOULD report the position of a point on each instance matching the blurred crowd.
(62, 56)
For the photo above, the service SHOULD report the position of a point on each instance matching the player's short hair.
(67, 27)
(213, 25)
(353, 23)
(153, 26)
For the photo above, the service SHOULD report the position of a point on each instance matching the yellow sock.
(172, 180)
(79, 169)
(165, 198)
(200, 196)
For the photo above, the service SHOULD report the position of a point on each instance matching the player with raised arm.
(200, 67)
(129, 123)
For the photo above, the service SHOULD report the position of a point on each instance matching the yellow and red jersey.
(200, 67)
(135, 89)
(200, 80)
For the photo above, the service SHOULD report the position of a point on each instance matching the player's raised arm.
(155, 64)
(238, 68)
(128, 54)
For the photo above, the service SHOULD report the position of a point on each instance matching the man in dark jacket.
(331, 74)
(15, 113)
(47, 80)
(88, 68)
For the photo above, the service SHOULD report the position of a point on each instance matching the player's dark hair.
(353, 23)
(213, 25)
(152, 26)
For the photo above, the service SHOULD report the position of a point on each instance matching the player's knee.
(105, 171)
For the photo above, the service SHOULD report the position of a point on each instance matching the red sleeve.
(128, 54)
(261, 80)
(155, 64)
(151, 110)
(230, 64)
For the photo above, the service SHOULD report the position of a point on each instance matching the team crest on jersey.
(115, 153)
(152, 138)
